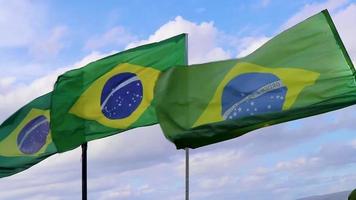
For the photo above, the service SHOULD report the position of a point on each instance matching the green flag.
(25, 137)
(303, 71)
(111, 95)
(352, 195)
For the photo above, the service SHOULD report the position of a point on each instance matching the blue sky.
(39, 40)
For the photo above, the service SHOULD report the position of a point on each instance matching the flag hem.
(339, 40)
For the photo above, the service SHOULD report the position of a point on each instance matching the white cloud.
(119, 193)
(214, 183)
(93, 56)
(202, 163)
(312, 9)
(24, 24)
(116, 36)
(344, 21)
(20, 21)
(328, 157)
(354, 143)
(23, 71)
(248, 45)
(125, 192)
(7, 81)
(202, 39)
(22, 94)
(297, 163)
(51, 46)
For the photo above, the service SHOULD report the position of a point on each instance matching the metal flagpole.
(186, 148)
(84, 171)
(186, 173)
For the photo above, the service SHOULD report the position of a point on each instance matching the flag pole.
(186, 173)
(186, 148)
(84, 171)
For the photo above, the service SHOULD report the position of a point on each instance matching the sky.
(40, 40)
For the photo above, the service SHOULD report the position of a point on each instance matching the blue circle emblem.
(33, 135)
(121, 95)
(252, 94)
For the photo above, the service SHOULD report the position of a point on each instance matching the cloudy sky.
(41, 39)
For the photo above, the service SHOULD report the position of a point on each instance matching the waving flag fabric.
(352, 195)
(303, 71)
(25, 137)
(111, 95)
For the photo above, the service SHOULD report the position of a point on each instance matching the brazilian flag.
(303, 71)
(25, 137)
(111, 95)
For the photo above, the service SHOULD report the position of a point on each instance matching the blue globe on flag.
(121, 95)
(252, 94)
(33, 135)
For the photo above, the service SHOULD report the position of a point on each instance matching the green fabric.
(76, 113)
(316, 76)
(352, 195)
(14, 148)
